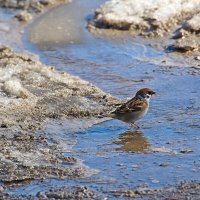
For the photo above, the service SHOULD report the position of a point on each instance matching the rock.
(163, 150)
(180, 34)
(186, 151)
(155, 181)
(193, 24)
(41, 195)
(135, 166)
(23, 16)
(164, 164)
(3, 125)
(190, 43)
(1, 189)
(197, 58)
(188, 35)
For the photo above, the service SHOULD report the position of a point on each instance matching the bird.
(135, 108)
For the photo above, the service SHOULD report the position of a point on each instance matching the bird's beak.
(153, 92)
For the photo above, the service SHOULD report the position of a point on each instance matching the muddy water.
(166, 149)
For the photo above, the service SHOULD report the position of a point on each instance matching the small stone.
(180, 34)
(197, 58)
(185, 45)
(3, 125)
(119, 164)
(135, 166)
(155, 181)
(41, 195)
(45, 2)
(164, 164)
(1, 189)
(186, 151)
(23, 16)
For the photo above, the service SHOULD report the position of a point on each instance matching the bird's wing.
(133, 105)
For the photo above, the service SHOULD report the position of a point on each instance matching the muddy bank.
(182, 191)
(58, 193)
(30, 94)
(30, 5)
(152, 18)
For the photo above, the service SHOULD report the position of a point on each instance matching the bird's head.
(145, 93)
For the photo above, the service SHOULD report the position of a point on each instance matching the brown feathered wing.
(133, 105)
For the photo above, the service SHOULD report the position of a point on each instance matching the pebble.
(23, 16)
(197, 58)
(135, 166)
(155, 181)
(164, 164)
(41, 195)
(1, 189)
(119, 164)
(186, 151)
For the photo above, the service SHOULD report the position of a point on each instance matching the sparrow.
(135, 108)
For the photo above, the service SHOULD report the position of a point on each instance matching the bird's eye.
(150, 93)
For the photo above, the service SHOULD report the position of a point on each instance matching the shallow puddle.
(165, 150)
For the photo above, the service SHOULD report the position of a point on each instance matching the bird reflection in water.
(133, 141)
